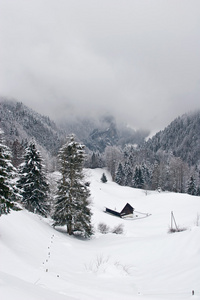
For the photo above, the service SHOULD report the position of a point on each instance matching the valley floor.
(145, 262)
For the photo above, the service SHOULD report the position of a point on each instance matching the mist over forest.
(170, 160)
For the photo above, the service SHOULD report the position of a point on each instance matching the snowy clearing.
(145, 262)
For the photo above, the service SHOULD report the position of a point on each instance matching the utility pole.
(173, 221)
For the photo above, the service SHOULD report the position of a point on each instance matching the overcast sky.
(136, 59)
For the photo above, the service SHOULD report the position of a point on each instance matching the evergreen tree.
(138, 181)
(120, 176)
(103, 178)
(128, 175)
(71, 208)
(33, 182)
(198, 191)
(8, 191)
(191, 186)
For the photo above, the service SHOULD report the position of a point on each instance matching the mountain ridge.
(180, 137)
(20, 122)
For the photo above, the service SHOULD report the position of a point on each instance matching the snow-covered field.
(145, 262)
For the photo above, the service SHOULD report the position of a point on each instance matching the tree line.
(142, 168)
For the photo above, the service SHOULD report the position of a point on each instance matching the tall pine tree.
(71, 208)
(33, 182)
(8, 191)
(138, 181)
(191, 189)
(120, 176)
(128, 174)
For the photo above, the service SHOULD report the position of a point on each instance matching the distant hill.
(181, 137)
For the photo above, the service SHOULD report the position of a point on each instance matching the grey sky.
(139, 60)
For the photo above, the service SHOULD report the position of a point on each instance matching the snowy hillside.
(145, 262)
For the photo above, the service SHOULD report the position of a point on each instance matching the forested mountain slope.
(181, 137)
(22, 123)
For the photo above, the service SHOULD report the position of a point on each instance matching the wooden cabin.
(126, 211)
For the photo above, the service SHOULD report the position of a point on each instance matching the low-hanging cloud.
(138, 60)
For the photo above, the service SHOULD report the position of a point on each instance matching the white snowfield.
(38, 262)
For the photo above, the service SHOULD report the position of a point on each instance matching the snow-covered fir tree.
(146, 175)
(33, 182)
(198, 191)
(138, 180)
(120, 176)
(128, 174)
(192, 190)
(72, 204)
(104, 178)
(8, 190)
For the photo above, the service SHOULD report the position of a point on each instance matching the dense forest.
(169, 161)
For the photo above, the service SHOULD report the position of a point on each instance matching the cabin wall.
(126, 211)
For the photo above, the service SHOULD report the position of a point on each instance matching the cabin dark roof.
(113, 212)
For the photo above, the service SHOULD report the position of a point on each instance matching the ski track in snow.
(145, 262)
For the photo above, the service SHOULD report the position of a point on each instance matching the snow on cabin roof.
(117, 205)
